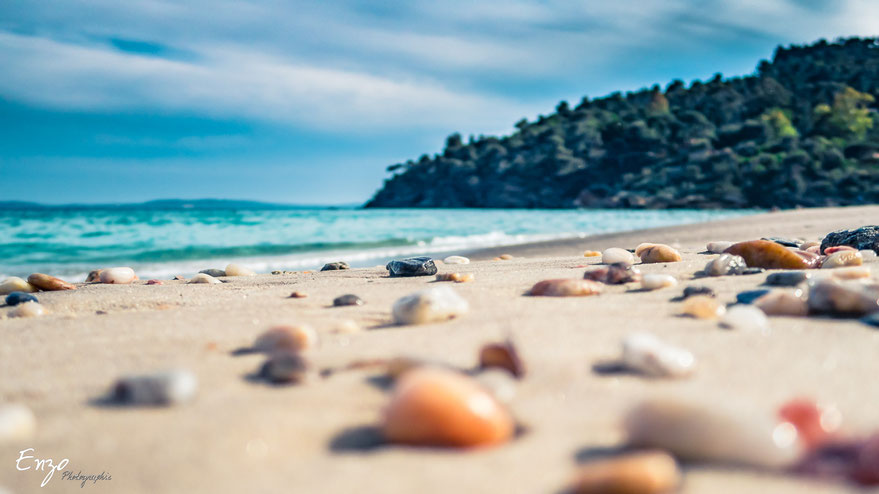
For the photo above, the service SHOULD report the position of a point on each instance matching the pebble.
(158, 389)
(440, 407)
(591, 253)
(155, 282)
(429, 305)
(203, 278)
(851, 273)
(787, 242)
(810, 244)
(94, 276)
(788, 278)
(505, 257)
(653, 253)
(333, 266)
(843, 258)
(718, 247)
(749, 296)
(501, 356)
(27, 309)
(712, 432)
(566, 287)
(16, 298)
(745, 318)
(238, 270)
(654, 281)
(783, 303)
(349, 299)
(216, 273)
(702, 307)
(648, 355)
(770, 255)
(843, 298)
(694, 290)
(298, 295)
(48, 283)
(456, 277)
(615, 274)
(413, 266)
(456, 260)
(17, 423)
(118, 276)
(872, 319)
(725, 264)
(286, 368)
(286, 338)
(616, 255)
(863, 238)
(647, 472)
(16, 284)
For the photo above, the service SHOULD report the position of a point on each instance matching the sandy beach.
(241, 435)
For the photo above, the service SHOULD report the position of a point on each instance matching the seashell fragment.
(782, 303)
(117, 276)
(771, 255)
(286, 338)
(439, 407)
(842, 258)
(616, 255)
(502, 356)
(653, 253)
(48, 283)
(648, 355)
(284, 367)
(648, 472)
(615, 274)
(456, 260)
(159, 389)
(429, 305)
(27, 309)
(843, 298)
(745, 318)
(707, 432)
(238, 270)
(788, 278)
(16, 298)
(203, 278)
(16, 284)
(17, 423)
(718, 247)
(725, 264)
(654, 281)
(702, 307)
(566, 287)
(349, 299)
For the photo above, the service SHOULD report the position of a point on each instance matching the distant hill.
(166, 204)
(801, 131)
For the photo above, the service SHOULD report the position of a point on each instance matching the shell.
(782, 303)
(439, 407)
(842, 258)
(718, 247)
(712, 432)
(647, 354)
(616, 255)
(648, 472)
(844, 298)
(288, 338)
(17, 423)
(501, 356)
(48, 283)
(702, 307)
(16, 284)
(203, 278)
(566, 287)
(117, 276)
(745, 318)
(653, 253)
(725, 264)
(429, 305)
(159, 389)
(27, 309)
(238, 270)
(654, 281)
(456, 260)
(770, 255)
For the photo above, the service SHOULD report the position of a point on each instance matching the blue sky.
(308, 102)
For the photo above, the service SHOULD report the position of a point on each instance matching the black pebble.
(414, 266)
(16, 298)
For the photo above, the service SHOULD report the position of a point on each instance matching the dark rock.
(615, 274)
(697, 290)
(787, 242)
(750, 296)
(349, 299)
(285, 368)
(414, 266)
(748, 271)
(16, 298)
(864, 238)
(872, 319)
(333, 266)
(213, 272)
(787, 278)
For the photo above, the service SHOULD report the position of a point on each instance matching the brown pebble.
(286, 368)
(566, 288)
(298, 295)
(456, 277)
(505, 257)
(770, 255)
(649, 472)
(702, 307)
(49, 283)
(155, 282)
(503, 356)
(653, 253)
(179, 278)
(286, 338)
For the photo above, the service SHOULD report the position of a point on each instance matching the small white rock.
(117, 276)
(27, 309)
(17, 423)
(238, 270)
(718, 247)
(499, 383)
(868, 255)
(745, 318)
(654, 281)
(16, 284)
(615, 255)
(429, 305)
(203, 278)
(456, 260)
(162, 388)
(647, 354)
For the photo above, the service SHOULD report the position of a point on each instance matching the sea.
(161, 242)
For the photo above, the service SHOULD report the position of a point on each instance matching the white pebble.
(117, 276)
(238, 270)
(429, 305)
(456, 260)
(27, 309)
(615, 255)
(745, 318)
(163, 388)
(718, 247)
(203, 278)
(647, 354)
(868, 255)
(654, 281)
(17, 423)
(843, 258)
(16, 284)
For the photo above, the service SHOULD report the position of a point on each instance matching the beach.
(242, 435)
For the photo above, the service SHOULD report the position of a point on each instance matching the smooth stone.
(286, 338)
(334, 266)
(868, 255)
(159, 389)
(203, 278)
(863, 238)
(456, 260)
(750, 296)
(810, 244)
(429, 305)
(654, 253)
(787, 242)
(655, 281)
(851, 273)
(718, 247)
(17, 423)
(238, 270)
(349, 299)
(745, 318)
(298, 294)
(713, 432)
(648, 472)
(843, 298)
(843, 258)
(770, 255)
(16, 298)
(783, 303)
(439, 407)
(16, 284)
(725, 264)
(286, 368)
(48, 283)
(871, 320)
(648, 355)
(505, 257)
(413, 266)
(615, 274)
(94, 276)
(702, 307)
(566, 287)
(694, 290)
(788, 278)
(501, 356)
(118, 276)
(27, 309)
(591, 253)
(456, 277)
(216, 273)
(616, 255)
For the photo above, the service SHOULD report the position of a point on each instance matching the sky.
(308, 102)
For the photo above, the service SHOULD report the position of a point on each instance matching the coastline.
(240, 435)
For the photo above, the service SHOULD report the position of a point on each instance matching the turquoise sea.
(162, 242)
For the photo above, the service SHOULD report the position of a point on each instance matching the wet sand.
(244, 436)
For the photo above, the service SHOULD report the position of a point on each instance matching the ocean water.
(71, 241)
